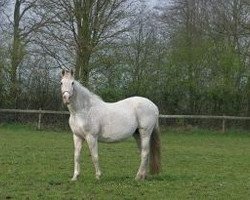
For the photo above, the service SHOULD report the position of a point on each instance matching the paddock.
(197, 164)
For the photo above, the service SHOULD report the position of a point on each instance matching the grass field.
(196, 165)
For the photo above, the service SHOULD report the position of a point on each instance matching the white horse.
(94, 120)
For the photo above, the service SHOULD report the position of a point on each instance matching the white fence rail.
(40, 112)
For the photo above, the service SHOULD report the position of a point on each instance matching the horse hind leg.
(93, 147)
(145, 148)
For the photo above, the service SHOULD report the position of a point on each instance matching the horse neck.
(82, 99)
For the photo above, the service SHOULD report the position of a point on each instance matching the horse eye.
(61, 83)
(72, 83)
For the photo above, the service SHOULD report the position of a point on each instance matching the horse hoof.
(74, 179)
(140, 177)
(97, 178)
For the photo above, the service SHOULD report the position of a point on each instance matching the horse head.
(67, 85)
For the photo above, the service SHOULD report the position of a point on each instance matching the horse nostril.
(66, 97)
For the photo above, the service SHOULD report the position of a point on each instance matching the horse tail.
(155, 150)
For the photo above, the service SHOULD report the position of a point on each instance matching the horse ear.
(72, 72)
(63, 72)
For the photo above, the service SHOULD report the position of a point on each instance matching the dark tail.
(155, 151)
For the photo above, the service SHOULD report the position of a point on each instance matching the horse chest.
(80, 125)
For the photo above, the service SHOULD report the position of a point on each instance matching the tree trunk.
(16, 55)
(82, 66)
(248, 97)
(84, 47)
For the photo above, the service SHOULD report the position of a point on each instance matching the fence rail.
(41, 112)
(34, 111)
(204, 117)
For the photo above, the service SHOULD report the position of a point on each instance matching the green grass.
(196, 165)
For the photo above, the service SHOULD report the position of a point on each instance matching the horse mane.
(94, 98)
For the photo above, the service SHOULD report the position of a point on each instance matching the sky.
(152, 3)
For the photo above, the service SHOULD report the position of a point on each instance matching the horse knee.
(95, 158)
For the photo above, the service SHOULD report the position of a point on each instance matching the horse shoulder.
(84, 123)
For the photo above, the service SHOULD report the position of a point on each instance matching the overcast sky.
(152, 3)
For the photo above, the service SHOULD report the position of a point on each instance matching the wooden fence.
(40, 112)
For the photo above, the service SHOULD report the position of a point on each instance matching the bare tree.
(25, 19)
(89, 23)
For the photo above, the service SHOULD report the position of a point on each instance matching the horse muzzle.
(66, 98)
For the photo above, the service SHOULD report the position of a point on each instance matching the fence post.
(223, 124)
(39, 119)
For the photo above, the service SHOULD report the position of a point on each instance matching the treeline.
(188, 56)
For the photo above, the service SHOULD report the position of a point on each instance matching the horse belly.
(118, 128)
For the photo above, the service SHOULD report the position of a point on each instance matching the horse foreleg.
(78, 146)
(93, 147)
(145, 139)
